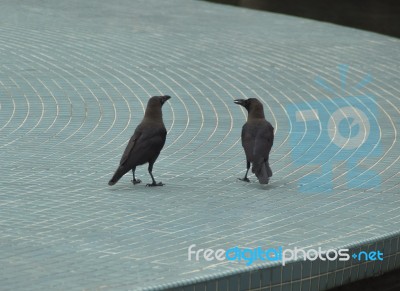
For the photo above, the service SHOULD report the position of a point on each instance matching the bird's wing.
(131, 145)
(146, 142)
(248, 138)
(264, 139)
(257, 140)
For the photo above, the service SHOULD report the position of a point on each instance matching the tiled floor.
(74, 79)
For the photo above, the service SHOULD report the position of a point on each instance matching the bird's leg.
(135, 181)
(152, 178)
(247, 171)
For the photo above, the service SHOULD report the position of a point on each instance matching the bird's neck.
(256, 113)
(153, 114)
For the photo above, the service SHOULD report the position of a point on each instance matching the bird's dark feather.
(147, 141)
(257, 139)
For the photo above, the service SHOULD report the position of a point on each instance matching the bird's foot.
(155, 184)
(136, 181)
(245, 179)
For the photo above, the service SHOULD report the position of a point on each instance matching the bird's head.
(248, 103)
(243, 102)
(253, 106)
(158, 100)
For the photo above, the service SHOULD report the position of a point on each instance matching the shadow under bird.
(146, 143)
(257, 140)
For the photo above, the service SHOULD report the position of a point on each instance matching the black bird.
(257, 140)
(146, 143)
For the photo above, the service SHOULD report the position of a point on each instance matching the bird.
(257, 140)
(145, 144)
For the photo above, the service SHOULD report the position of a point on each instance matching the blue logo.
(368, 256)
(335, 138)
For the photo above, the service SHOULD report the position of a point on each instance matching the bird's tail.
(263, 172)
(117, 175)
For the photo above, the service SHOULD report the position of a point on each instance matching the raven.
(146, 143)
(257, 140)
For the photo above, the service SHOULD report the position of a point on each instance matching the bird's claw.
(244, 179)
(155, 184)
(136, 181)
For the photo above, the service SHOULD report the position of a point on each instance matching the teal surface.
(75, 77)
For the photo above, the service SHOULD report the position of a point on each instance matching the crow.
(257, 140)
(146, 143)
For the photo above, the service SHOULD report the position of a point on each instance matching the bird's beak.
(165, 98)
(240, 101)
